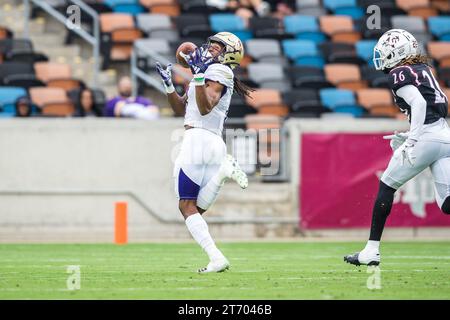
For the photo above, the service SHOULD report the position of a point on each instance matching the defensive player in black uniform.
(426, 144)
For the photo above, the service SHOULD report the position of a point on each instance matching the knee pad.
(446, 206)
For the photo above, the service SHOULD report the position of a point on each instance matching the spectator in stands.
(23, 107)
(282, 9)
(243, 8)
(85, 104)
(124, 105)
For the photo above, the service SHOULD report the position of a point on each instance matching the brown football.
(186, 48)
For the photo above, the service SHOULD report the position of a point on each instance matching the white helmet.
(394, 46)
(233, 51)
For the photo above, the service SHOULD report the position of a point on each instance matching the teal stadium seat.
(344, 7)
(304, 28)
(303, 52)
(340, 100)
(125, 6)
(364, 50)
(440, 27)
(8, 96)
(229, 22)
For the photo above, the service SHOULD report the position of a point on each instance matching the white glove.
(407, 152)
(397, 139)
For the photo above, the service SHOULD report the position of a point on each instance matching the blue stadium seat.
(304, 28)
(231, 23)
(8, 96)
(440, 27)
(341, 101)
(344, 7)
(356, 111)
(303, 52)
(125, 6)
(364, 49)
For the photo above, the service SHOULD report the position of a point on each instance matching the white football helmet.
(234, 50)
(394, 46)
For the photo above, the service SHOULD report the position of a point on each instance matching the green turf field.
(259, 271)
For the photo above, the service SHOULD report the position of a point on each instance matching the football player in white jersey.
(425, 145)
(203, 165)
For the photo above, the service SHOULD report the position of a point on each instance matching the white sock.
(208, 194)
(199, 230)
(373, 245)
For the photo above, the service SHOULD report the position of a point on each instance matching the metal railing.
(93, 39)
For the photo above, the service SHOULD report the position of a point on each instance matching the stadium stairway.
(48, 36)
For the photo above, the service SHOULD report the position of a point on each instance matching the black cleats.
(354, 259)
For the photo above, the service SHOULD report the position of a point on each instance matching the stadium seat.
(260, 97)
(340, 100)
(339, 28)
(25, 57)
(239, 108)
(52, 101)
(157, 26)
(8, 97)
(198, 6)
(376, 79)
(167, 7)
(316, 11)
(444, 76)
(308, 77)
(302, 52)
(148, 22)
(7, 45)
(229, 22)
(25, 81)
(344, 76)
(364, 50)
(264, 50)
(118, 35)
(46, 71)
(304, 28)
(125, 6)
(440, 51)
(265, 27)
(378, 102)
(421, 8)
(262, 121)
(193, 25)
(412, 24)
(337, 52)
(344, 7)
(268, 75)
(441, 5)
(440, 27)
(8, 69)
(304, 103)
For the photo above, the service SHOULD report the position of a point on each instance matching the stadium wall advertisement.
(339, 181)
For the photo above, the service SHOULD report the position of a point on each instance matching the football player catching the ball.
(425, 145)
(203, 165)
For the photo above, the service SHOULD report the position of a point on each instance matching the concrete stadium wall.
(60, 178)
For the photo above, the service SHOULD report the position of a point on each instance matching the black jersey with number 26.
(420, 76)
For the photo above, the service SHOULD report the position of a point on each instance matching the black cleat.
(354, 259)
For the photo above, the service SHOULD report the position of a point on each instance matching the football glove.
(166, 76)
(397, 139)
(199, 60)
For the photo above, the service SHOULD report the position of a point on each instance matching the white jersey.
(214, 120)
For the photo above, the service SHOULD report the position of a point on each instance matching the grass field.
(415, 270)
